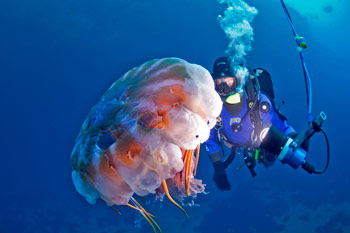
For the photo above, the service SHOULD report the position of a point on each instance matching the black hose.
(328, 153)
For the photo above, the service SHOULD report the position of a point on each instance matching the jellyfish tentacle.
(183, 172)
(148, 220)
(136, 208)
(197, 157)
(146, 215)
(171, 199)
(188, 171)
(131, 206)
(115, 209)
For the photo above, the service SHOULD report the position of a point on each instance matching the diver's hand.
(220, 176)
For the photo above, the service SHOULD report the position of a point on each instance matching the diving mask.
(225, 85)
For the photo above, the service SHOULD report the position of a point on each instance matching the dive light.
(288, 149)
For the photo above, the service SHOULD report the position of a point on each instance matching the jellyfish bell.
(142, 134)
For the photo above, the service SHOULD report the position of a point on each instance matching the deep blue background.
(58, 57)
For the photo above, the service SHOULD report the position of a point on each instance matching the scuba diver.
(251, 125)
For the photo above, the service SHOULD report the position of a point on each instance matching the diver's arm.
(285, 128)
(212, 146)
(213, 149)
(281, 124)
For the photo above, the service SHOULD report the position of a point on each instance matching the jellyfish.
(143, 136)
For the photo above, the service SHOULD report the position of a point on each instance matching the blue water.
(58, 57)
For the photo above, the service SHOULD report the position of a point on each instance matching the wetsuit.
(248, 132)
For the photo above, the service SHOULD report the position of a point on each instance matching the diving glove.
(220, 176)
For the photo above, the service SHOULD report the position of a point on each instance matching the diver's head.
(225, 82)
(229, 79)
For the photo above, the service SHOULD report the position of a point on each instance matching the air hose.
(301, 45)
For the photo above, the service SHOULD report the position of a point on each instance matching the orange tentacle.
(186, 167)
(188, 172)
(131, 206)
(197, 157)
(171, 199)
(115, 209)
(183, 172)
(146, 215)
(135, 208)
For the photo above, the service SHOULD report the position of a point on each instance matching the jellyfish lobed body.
(141, 131)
